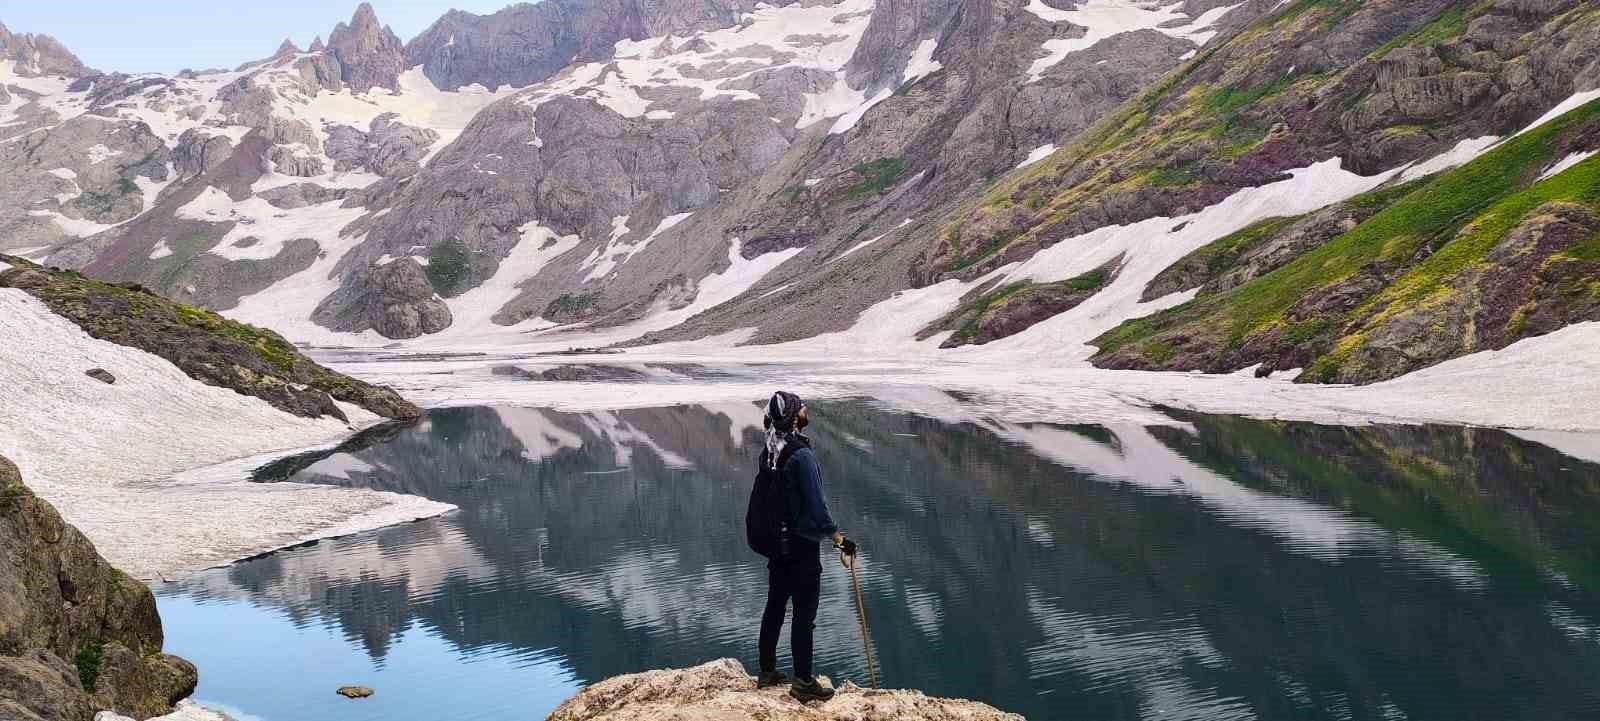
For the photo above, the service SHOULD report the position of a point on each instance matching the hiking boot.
(808, 689)
(771, 678)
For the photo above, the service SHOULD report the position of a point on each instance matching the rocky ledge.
(723, 691)
(76, 635)
(209, 348)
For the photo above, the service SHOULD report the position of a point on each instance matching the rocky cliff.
(723, 690)
(76, 635)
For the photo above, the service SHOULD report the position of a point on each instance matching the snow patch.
(922, 63)
(1464, 152)
(473, 311)
(1038, 154)
(72, 436)
(99, 153)
(1578, 100)
(870, 241)
(161, 250)
(271, 227)
(1566, 163)
(1104, 19)
(849, 119)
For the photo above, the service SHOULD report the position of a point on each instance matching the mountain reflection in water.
(1217, 568)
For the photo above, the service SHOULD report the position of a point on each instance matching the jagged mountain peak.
(287, 48)
(369, 53)
(40, 54)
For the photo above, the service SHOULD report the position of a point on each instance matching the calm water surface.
(1217, 569)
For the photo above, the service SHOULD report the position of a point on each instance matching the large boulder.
(76, 635)
(723, 690)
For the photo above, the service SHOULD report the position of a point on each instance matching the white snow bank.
(1037, 154)
(186, 710)
(1567, 163)
(473, 312)
(1104, 19)
(271, 227)
(1464, 152)
(4, 266)
(867, 242)
(849, 119)
(922, 63)
(1577, 100)
(161, 250)
(119, 461)
(818, 37)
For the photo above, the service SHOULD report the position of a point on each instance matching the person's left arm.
(816, 523)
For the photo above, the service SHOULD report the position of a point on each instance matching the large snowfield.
(120, 460)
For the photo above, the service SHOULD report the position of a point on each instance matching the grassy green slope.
(1414, 250)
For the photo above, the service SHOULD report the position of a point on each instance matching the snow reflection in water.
(1212, 568)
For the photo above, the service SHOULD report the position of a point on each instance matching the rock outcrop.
(369, 53)
(526, 43)
(206, 346)
(40, 55)
(722, 690)
(76, 635)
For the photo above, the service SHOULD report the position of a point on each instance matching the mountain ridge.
(688, 169)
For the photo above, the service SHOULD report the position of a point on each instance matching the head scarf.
(780, 421)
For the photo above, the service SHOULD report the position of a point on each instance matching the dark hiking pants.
(798, 579)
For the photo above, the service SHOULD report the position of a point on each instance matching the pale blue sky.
(169, 35)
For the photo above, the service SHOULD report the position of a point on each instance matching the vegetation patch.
(571, 305)
(88, 663)
(447, 266)
(876, 177)
(1431, 231)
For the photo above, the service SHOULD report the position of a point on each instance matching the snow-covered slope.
(874, 179)
(112, 457)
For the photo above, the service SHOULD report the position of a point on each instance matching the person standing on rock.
(787, 522)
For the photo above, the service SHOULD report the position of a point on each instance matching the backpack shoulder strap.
(796, 443)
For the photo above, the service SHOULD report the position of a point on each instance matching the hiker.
(787, 522)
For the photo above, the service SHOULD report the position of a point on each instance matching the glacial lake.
(1216, 568)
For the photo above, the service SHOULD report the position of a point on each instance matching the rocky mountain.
(78, 636)
(990, 176)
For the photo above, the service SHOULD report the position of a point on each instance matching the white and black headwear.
(783, 409)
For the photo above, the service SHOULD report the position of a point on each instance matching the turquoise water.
(1218, 568)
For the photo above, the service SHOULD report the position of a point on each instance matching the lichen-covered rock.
(60, 600)
(723, 691)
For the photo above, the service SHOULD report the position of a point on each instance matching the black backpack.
(766, 524)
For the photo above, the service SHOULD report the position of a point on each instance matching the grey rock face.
(84, 169)
(391, 149)
(526, 43)
(369, 54)
(60, 599)
(199, 152)
(402, 303)
(40, 55)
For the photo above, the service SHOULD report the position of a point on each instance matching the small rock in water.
(355, 691)
(101, 374)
